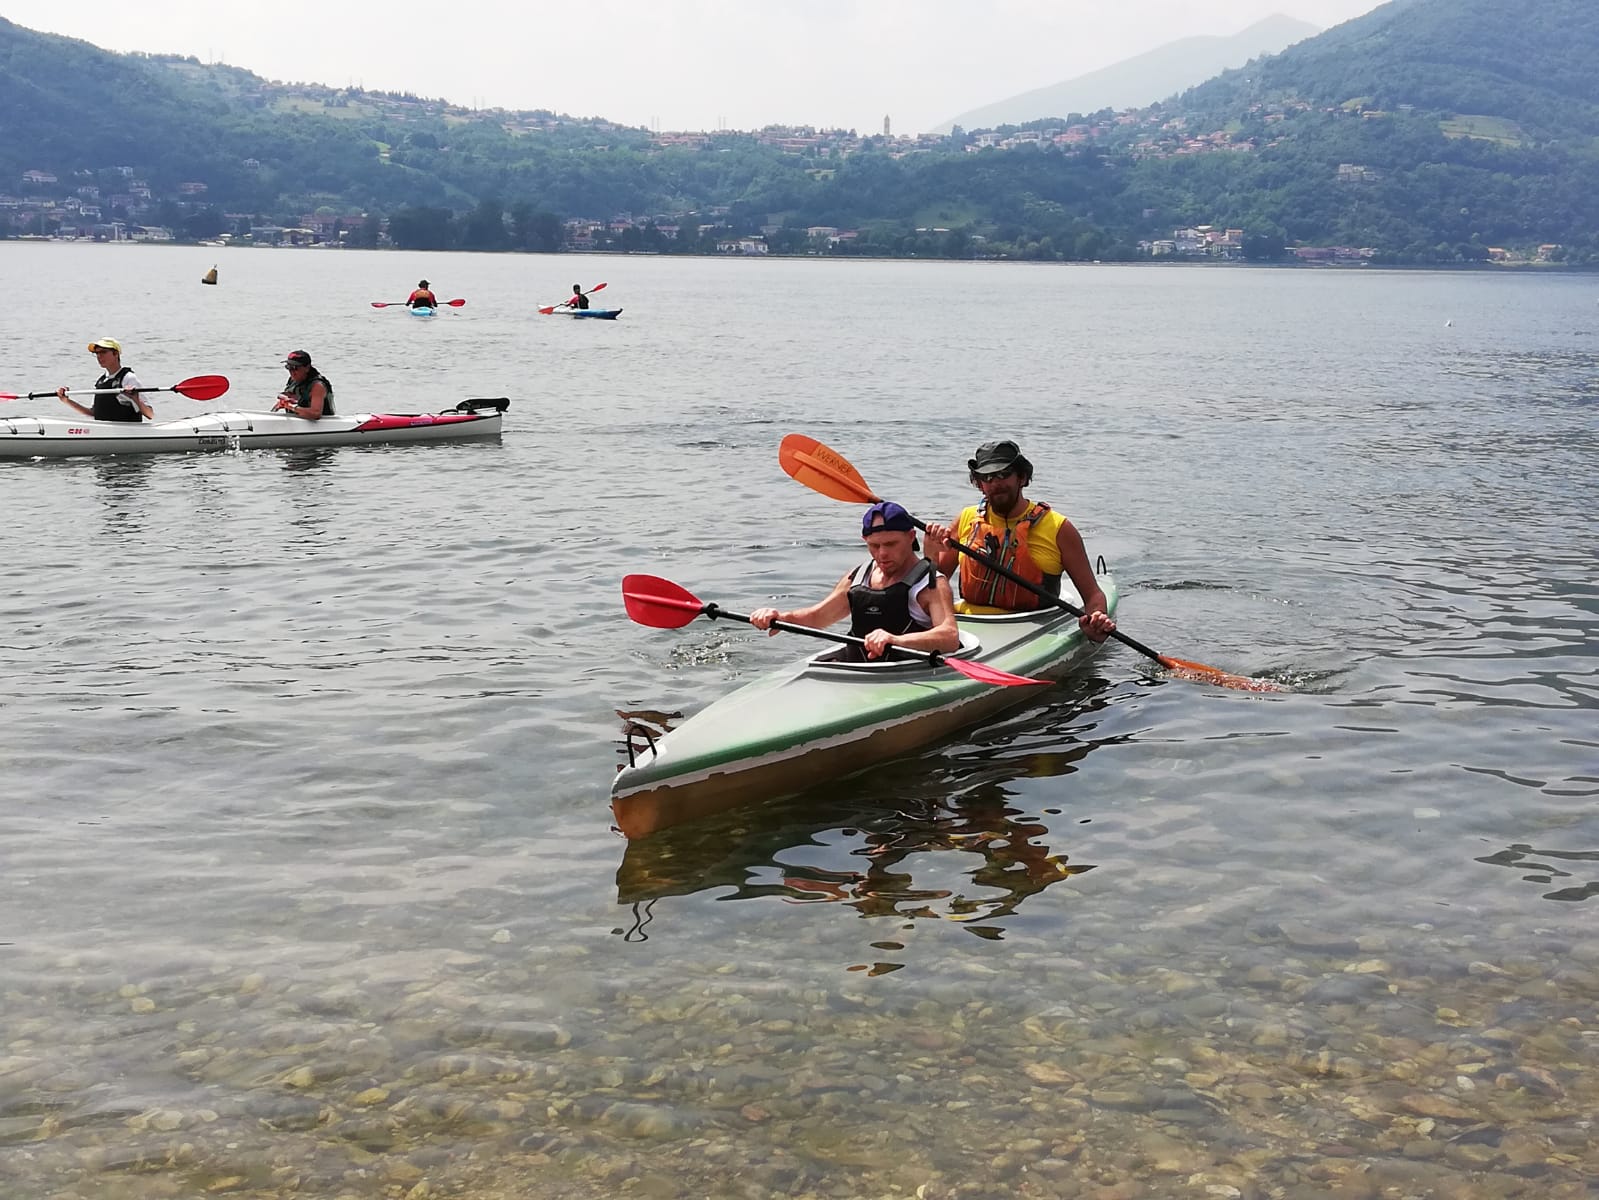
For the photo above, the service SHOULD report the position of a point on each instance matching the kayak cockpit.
(835, 661)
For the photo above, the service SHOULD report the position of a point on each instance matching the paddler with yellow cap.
(112, 405)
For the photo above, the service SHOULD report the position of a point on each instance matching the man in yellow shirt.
(1027, 537)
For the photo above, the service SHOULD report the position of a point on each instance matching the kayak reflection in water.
(885, 870)
(1014, 868)
(895, 598)
(309, 393)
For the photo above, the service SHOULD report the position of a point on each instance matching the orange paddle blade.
(1203, 674)
(823, 470)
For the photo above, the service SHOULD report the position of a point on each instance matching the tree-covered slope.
(1530, 62)
(1427, 130)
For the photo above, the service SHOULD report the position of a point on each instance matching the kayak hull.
(422, 310)
(47, 437)
(591, 314)
(814, 721)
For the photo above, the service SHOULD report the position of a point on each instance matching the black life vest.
(302, 391)
(111, 408)
(884, 608)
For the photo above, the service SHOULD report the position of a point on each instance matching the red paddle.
(201, 387)
(661, 604)
(403, 303)
(598, 287)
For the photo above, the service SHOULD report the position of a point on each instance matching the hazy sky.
(675, 64)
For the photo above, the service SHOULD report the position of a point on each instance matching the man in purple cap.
(1027, 537)
(309, 393)
(895, 598)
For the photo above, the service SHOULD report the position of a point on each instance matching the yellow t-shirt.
(1041, 545)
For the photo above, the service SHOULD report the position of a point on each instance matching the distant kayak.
(50, 437)
(422, 310)
(597, 314)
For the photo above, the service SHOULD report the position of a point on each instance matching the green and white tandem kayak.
(817, 719)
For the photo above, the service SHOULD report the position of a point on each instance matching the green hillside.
(1427, 131)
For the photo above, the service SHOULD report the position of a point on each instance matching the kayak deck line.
(50, 437)
(815, 720)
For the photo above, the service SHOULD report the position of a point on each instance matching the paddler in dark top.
(309, 393)
(126, 405)
(422, 297)
(895, 598)
(1026, 536)
(578, 300)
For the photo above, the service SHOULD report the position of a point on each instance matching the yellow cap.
(105, 344)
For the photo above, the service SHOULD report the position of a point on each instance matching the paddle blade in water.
(202, 387)
(659, 603)
(983, 673)
(1203, 674)
(823, 470)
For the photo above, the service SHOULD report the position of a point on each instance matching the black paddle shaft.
(713, 611)
(995, 567)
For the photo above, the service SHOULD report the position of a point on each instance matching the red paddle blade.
(202, 387)
(823, 470)
(455, 303)
(598, 287)
(659, 603)
(11, 396)
(547, 311)
(986, 674)
(1203, 674)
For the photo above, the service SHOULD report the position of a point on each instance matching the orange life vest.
(1007, 546)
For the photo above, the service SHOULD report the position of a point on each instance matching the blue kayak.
(598, 314)
(423, 310)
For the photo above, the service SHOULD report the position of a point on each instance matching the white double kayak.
(50, 437)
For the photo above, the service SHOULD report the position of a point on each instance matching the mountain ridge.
(1141, 80)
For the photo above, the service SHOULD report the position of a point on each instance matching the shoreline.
(1165, 261)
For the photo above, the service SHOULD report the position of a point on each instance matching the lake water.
(310, 887)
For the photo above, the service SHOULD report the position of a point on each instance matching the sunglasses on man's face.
(995, 476)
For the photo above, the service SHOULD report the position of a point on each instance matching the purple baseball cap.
(887, 516)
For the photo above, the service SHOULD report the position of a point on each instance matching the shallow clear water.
(310, 885)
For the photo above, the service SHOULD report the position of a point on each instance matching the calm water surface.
(310, 887)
